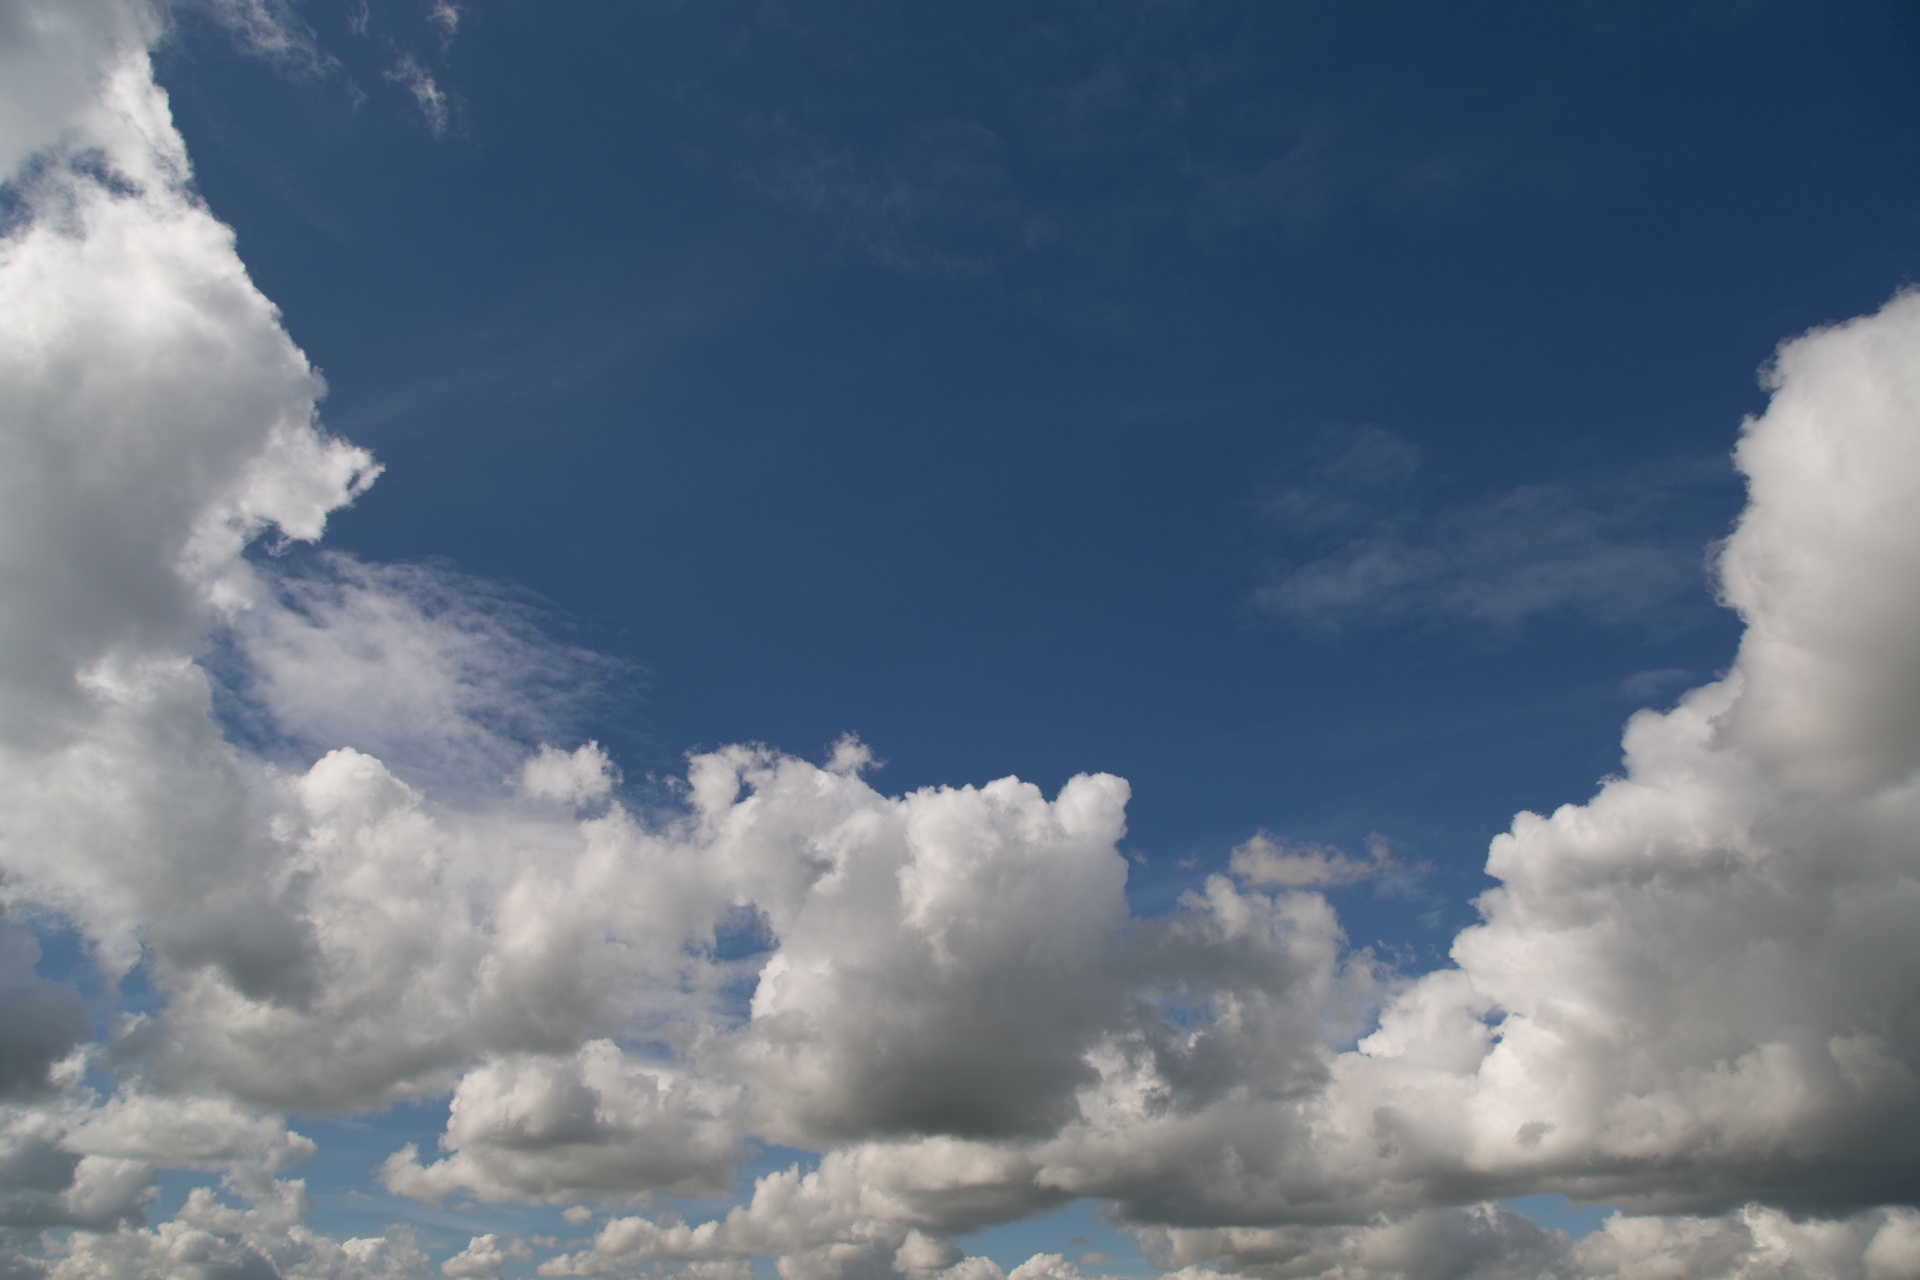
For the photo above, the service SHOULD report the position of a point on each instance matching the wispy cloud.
(427, 94)
(1295, 864)
(1149, 123)
(940, 200)
(1363, 545)
(273, 30)
(445, 15)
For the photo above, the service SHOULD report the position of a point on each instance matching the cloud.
(445, 15)
(54, 57)
(940, 200)
(992, 906)
(268, 29)
(1264, 860)
(209, 1239)
(1496, 562)
(441, 676)
(427, 93)
(594, 1124)
(1686, 995)
(1487, 1242)
(40, 1021)
(1683, 991)
(486, 1255)
(1690, 996)
(574, 777)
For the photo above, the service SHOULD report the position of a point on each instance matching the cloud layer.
(317, 812)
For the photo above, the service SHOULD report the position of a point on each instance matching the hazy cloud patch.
(1371, 553)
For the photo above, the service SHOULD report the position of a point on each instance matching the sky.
(1000, 642)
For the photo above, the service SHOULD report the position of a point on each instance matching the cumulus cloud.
(209, 1238)
(308, 799)
(486, 1255)
(1686, 995)
(40, 1021)
(1487, 1242)
(595, 1123)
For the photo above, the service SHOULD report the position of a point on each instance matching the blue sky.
(937, 377)
(1320, 417)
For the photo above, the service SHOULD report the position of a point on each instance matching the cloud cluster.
(313, 805)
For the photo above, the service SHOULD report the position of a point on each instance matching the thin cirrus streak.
(1689, 996)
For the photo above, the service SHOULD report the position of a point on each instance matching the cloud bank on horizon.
(1690, 996)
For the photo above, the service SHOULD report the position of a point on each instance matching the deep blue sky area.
(954, 374)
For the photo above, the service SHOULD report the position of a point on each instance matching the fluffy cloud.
(210, 1240)
(486, 1255)
(594, 1123)
(1687, 994)
(1690, 995)
(1486, 1242)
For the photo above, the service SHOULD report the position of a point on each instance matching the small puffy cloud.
(570, 777)
(1286, 864)
(850, 755)
(486, 1255)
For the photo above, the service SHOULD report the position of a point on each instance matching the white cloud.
(1487, 1242)
(1688, 991)
(596, 1123)
(269, 29)
(209, 1238)
(486, 1255)
(991, 905)
(427, 93)
(570, 777)
(1288, 864)
(55, 56)
(1691, 993)
(442, 677)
